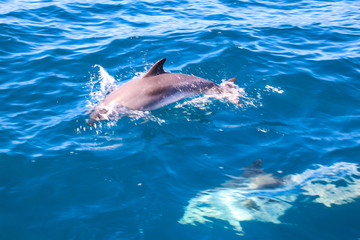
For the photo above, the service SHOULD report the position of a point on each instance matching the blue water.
(297, 64)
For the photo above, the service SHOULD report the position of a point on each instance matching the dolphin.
(238, 200)
(244, 198)
(254, 177)
(156, 89)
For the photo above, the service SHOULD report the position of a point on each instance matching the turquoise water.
(176, 172)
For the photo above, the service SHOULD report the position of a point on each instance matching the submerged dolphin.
(240, 199)
(260, 196)
(156, 89)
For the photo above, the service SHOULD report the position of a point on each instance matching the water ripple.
(297, 64)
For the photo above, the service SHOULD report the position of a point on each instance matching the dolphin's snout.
(91, 122)
(97, 115)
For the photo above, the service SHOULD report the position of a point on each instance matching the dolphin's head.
(98, 114)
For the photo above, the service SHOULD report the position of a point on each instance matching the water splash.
(233, 93)
(268, 205)
(274, 89)
(101, 83)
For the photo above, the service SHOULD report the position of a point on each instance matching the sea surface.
(180, 172)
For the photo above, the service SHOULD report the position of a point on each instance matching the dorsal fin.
(256, 164)
(157, 69)
(254, 169)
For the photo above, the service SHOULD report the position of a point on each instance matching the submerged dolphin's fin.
(254, 169)
(254, 177)
(259, 178)
(157, 69)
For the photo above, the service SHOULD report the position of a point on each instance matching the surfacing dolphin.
(156, 89)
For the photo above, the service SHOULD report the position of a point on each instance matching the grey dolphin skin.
(258, 179)
(155, 89)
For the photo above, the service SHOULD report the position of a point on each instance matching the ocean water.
(178, 172)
